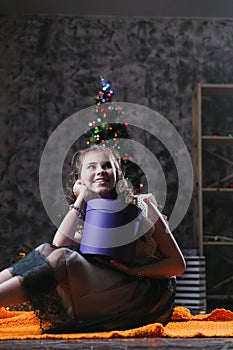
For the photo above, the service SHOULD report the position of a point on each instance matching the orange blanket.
(218, 323)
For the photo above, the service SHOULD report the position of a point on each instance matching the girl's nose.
(100, 170)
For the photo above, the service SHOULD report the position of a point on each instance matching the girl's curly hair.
(76, 167)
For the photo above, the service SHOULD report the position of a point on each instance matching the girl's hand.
(80, 188)
(129, 270)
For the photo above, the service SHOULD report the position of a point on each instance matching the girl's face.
(99, 173)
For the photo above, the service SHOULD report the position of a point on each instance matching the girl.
(72, 292)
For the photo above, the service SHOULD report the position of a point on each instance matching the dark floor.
(121, 344)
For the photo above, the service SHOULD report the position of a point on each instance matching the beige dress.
(96, 297)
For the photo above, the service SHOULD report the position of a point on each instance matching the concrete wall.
(50, 68)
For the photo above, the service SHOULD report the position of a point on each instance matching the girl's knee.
(45, 249)
(57, 260)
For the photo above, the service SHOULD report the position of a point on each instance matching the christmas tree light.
(103, 130)
(105, 93)
(108, 127)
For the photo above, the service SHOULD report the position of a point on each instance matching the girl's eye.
(91, 167)
(107, 165)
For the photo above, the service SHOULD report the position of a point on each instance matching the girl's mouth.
(100, 181)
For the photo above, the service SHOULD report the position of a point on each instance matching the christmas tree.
(108, 127)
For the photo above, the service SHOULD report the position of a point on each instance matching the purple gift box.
(110, 229)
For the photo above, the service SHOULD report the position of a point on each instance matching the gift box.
(111, 229)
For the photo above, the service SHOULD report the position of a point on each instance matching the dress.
(93, 296)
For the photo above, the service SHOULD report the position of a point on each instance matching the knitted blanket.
(218, 323)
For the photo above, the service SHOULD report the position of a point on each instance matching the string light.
(107, 133)
(105, 94)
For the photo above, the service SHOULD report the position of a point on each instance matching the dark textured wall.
(50, 68)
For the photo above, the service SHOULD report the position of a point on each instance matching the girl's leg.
(5, 275)
(41, 270)
(12, 292)
(33, 276)
(57, 260)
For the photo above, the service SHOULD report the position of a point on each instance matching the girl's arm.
(66, 231)
(173, 262)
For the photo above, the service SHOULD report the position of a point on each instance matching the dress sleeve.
(147, 244)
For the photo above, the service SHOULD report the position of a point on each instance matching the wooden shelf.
(216, 89)
(217, 140)
(212, 111)
(215, 146)
(222, 190)
(220, 297)
(217, 243)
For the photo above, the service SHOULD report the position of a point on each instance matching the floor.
(121, 344)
